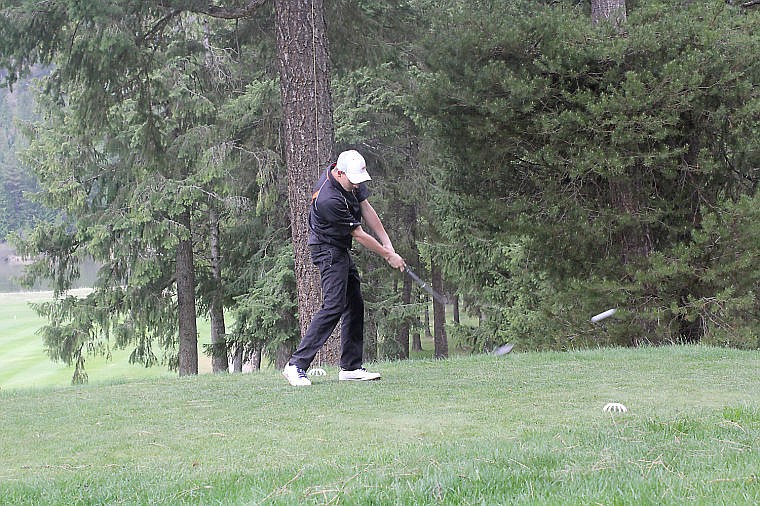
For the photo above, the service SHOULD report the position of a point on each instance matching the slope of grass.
(24, 363)
(520, 429)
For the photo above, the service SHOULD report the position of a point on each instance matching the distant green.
(24, 363)
(526, 428)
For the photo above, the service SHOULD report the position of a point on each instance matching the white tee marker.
(614, 407)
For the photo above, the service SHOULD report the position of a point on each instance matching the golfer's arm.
(375, 225)
(370, 242)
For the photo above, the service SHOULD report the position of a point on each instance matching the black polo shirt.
(334, 212)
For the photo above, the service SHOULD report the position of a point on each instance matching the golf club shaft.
(437, 296)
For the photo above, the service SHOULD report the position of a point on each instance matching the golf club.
(437, 296)
(503, 349)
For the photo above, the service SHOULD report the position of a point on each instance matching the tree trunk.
(635, 241)
(219, 360)
(408, 222)
(369, 353)
(612, 11)
(635, 246)
(439, 316)
(80, 375)
(256, 359)
(282, 355)
(237, 358)
(455, 309)
(416, 342)
(428, 334)
(308, 135)
(188, 331)
(403, 333)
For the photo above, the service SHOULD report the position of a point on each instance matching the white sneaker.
(360, 374)
(296, 376)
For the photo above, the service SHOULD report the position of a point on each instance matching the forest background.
(537, 165)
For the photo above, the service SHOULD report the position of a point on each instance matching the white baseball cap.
(352, 163)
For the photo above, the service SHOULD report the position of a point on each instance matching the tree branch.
(158, 27)
(751, 3)
(215, 11)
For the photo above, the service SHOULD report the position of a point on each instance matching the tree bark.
(635, 241)
(256, 359)
(612, 11)
(439, 315)
(308, 135)
(237, 358)
(416, 342)
(188, 331)
(219, 360)
(428, 334)
(408, 222)
(370, 340)
(403, 332)
(282, 355)
(635, 246)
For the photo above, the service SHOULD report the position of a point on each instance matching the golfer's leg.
(333, 270)
(352, 327)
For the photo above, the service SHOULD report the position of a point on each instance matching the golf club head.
(503, 349)
(602, 316)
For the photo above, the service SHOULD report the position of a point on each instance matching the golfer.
(337, 207)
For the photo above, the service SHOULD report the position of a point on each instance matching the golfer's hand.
(395, 261)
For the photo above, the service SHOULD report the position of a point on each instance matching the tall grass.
(520, 429)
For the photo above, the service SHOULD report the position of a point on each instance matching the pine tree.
(582, 163)
(137, 144)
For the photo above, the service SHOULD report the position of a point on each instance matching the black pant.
(341, 296)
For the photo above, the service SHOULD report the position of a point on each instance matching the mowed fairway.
(24, 363)
(526, 428)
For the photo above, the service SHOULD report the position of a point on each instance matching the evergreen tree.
(130, 127)
(583, 164)
(308, 133)
(144, 122)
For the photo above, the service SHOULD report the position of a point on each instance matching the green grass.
(24, 363)
(527, 428)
